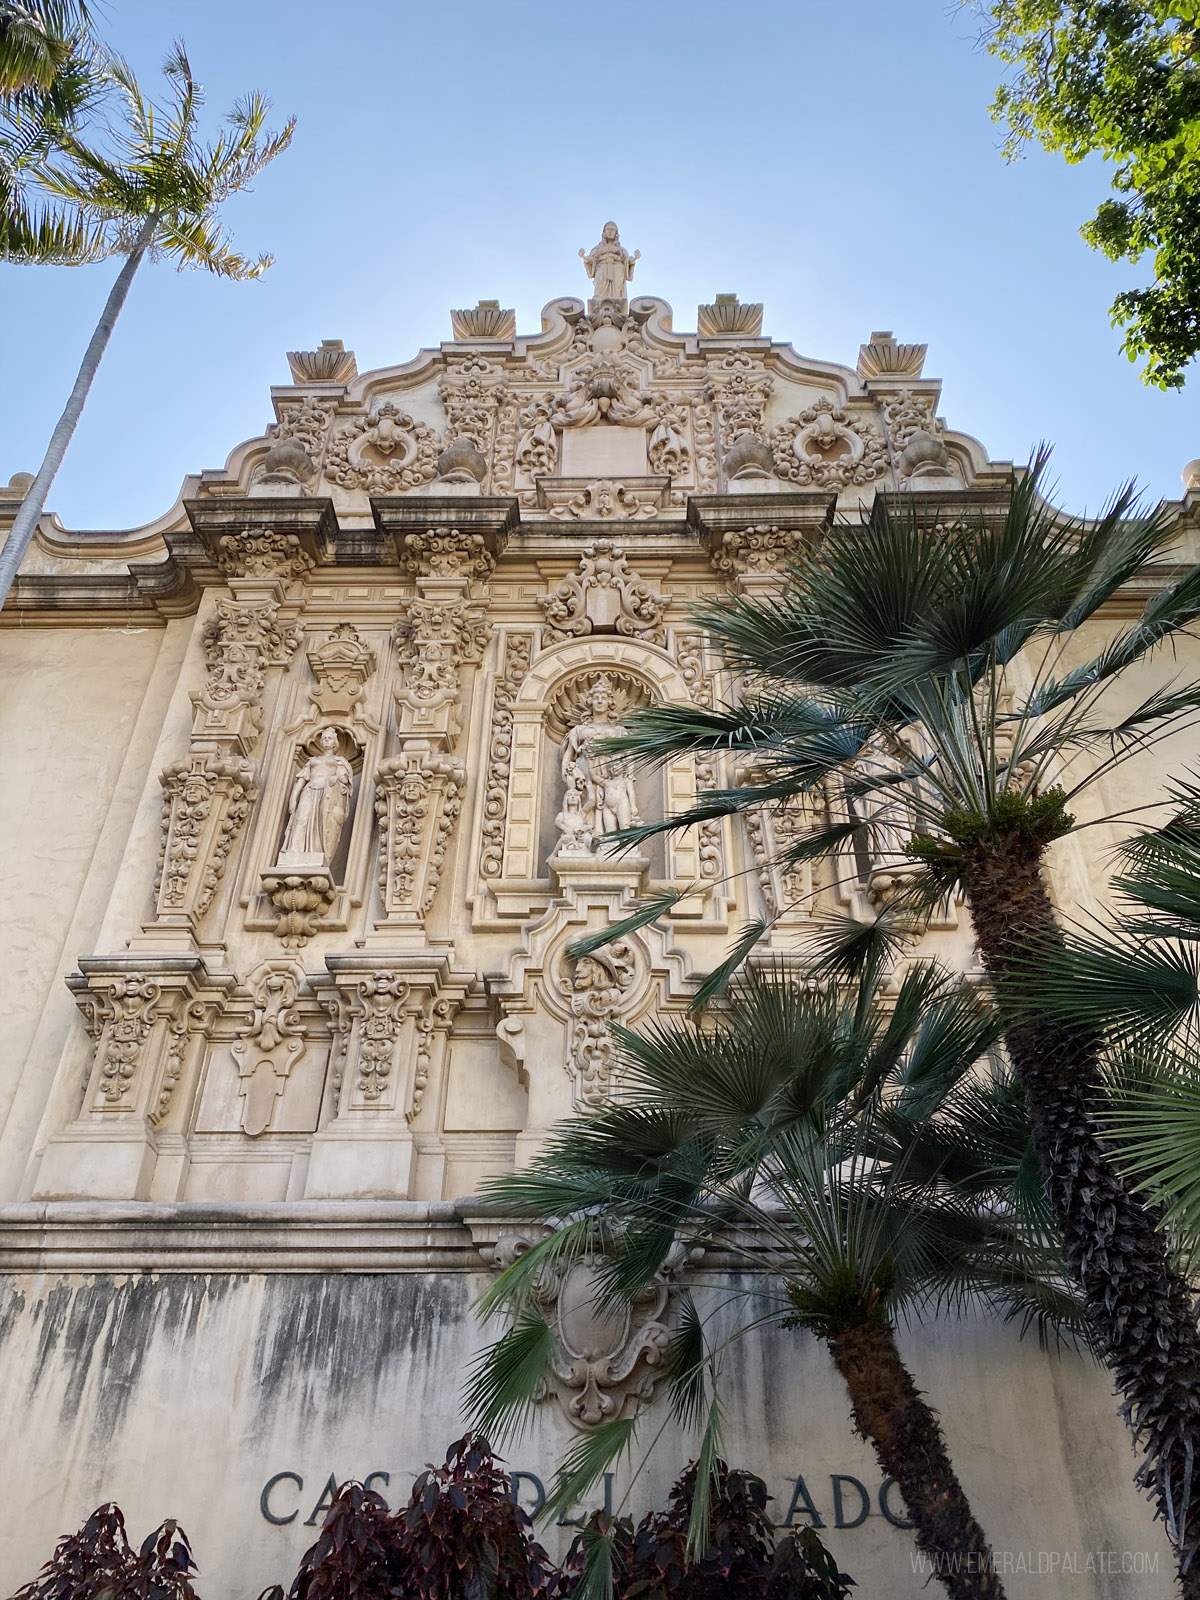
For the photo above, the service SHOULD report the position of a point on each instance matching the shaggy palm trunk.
(1139, 1305)
(889, 1412)
(26, 521)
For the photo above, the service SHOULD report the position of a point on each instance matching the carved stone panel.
(270, 1043)
(604, 596)
(206, 800)
(418, 796)
(609, 1359)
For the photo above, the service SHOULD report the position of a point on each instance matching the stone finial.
(17, 487)
(882, 357)
(332, 363)
(728, 316)
(1191, 475)
(487, 320)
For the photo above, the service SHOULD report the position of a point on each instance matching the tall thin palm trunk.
(1138, 1302)
(890, 1413)
(34, 503)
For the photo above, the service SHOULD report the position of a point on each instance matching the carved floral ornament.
(609, 1358)
(206, 800)
(384, 452)
(604, 596)
(448, 554)
(828, 446)
(263, 553)
(597, 990)
(764, 549)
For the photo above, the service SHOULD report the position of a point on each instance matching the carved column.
(261, 548)
(394, 1013)
(149, 1018)
(444, 631)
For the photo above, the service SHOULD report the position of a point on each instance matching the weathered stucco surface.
(183, 1395)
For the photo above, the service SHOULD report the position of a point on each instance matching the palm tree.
(1136, 978)
(159, 195)
(810, 1133)
(918, 678)
(51, 77)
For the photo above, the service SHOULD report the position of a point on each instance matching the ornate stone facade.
(312, 813)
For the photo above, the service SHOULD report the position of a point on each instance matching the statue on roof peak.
(609, 265)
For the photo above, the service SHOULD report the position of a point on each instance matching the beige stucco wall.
(183, 1395)
(80, 716)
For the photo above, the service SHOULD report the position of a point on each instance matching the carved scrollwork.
(206, 800)
(263, 553)
(384, 452)
(610, 1357)
(762, 549)
(132, 1012)
(605, 500)
(596, 992)
(668, 451)
(448, 555)
(382, 1005)
(829, 447)
(240, 642)
(537, 446)
(605, 595)
(306, 423)
(341, 664)
(472, 394)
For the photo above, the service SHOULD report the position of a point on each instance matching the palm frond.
(719, 978)
(642, 912)
(507, 1377)
(587, 1461)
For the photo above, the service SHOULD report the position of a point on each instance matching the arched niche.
(533, 711)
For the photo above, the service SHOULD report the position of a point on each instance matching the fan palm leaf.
(926, 688)
(807, 1131)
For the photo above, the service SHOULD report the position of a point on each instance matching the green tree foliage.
(940, 687)
(1119, 79)
(155, 190)
(833, 1140)
(51, 77)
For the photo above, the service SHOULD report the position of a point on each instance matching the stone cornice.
(201, 1236)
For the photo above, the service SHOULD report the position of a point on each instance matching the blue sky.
(836, 161)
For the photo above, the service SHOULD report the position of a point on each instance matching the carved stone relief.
(598, 794)
(206, 800)
(448, 554)
(418, 798)
(341, 665)
(596, 993)
(828, 446)
(270, 1043)
(604, 596)
(537, 446)
(689, 652)
(606, 500)
(915, 434)
(518, 648)
(142, 1017)
(433, 640)
(241, 641)
(609, 1358)
(384, 452)
(472, 394)
(762, 549)
(263, 553)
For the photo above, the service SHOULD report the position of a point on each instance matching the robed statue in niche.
(318, 805)
(609, 265)
(599, 794)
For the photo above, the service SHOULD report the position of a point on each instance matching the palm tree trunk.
(1138, 1303)
(889, 1411)
(29, 514)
